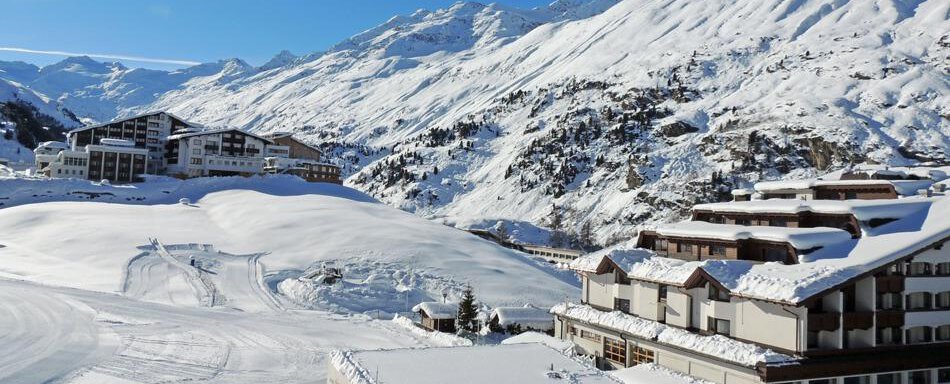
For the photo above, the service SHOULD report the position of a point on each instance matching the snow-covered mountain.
(617, 113)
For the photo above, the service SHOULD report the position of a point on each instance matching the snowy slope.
(384, 252)
(617, 112)
(676, 90)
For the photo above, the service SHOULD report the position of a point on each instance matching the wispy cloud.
(101, 56)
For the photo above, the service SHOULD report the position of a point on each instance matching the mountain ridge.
(603, 109)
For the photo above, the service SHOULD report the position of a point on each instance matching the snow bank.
(563, 346)
(715, 345)
(529, 363)
(436, 338)
(86, 245)
(651, 373)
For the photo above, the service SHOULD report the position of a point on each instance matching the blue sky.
(191, 31)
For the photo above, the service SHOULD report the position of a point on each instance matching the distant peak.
(281, 59)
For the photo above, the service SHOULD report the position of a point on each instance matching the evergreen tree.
(467, 310)
(558, 237)
(586, 237)
(502, 231)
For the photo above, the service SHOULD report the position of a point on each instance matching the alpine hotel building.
(763, 291)
(160, 143)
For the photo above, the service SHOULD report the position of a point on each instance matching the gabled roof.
(281, 135)
(130, 118)
(217, 131)
(817, 273)
(438, 311)
(526, 316)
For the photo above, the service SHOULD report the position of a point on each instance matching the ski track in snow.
(73, 336)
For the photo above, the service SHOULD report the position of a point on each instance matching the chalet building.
(292, 156)
(819, 189)
(436, 316)
(147, 131)
(515, 320)
(551, 254)
(874, 309)
(220, 152)
(697, 241)
(47, 152)
(854, 216)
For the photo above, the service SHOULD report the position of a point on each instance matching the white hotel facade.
(868, 310)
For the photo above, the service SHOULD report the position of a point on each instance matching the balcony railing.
(858, 320)
(823, 321)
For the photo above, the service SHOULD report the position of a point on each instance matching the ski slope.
(287, 225)
(66, 335)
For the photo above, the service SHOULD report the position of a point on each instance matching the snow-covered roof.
(53, 144)
(716, 345)
(526, 317)
(561, 345)
(861, 209)
(800, 238)
(742, 192)
(903, 187)
(827, 268)
(131, 118)
(216, 131)
(438, 311)
(526, 363)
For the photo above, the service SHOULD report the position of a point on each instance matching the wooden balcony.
(858, 320)
(823, 321)
(887, 319)
(890, 284)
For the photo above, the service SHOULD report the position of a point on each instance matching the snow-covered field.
(109, 288)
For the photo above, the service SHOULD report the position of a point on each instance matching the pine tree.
(558, 237)
(586, 236)
(467, 311)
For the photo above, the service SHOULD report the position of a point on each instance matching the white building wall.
(600, 290)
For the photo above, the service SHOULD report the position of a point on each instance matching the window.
(813, 340)
(196, 152)
(717, 250)
(615, 350)
(718, 326)
(918, 301)
(774, 254)
(895, 270)
(889, 301)
(943, 269)
(661, 293)
(919, 269)
(921, 334)
(889, 378)
(822, 381)
(641, 355)
(196, 161)
(684, 248)
(919, 377)
(572, 330)
(590, 335)
(943, 376)
(943, 300)
(717, 294)
(622, 305)
(743, 221)
(662, 245)
(857, 380)
(943, 333)
(778, 223)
